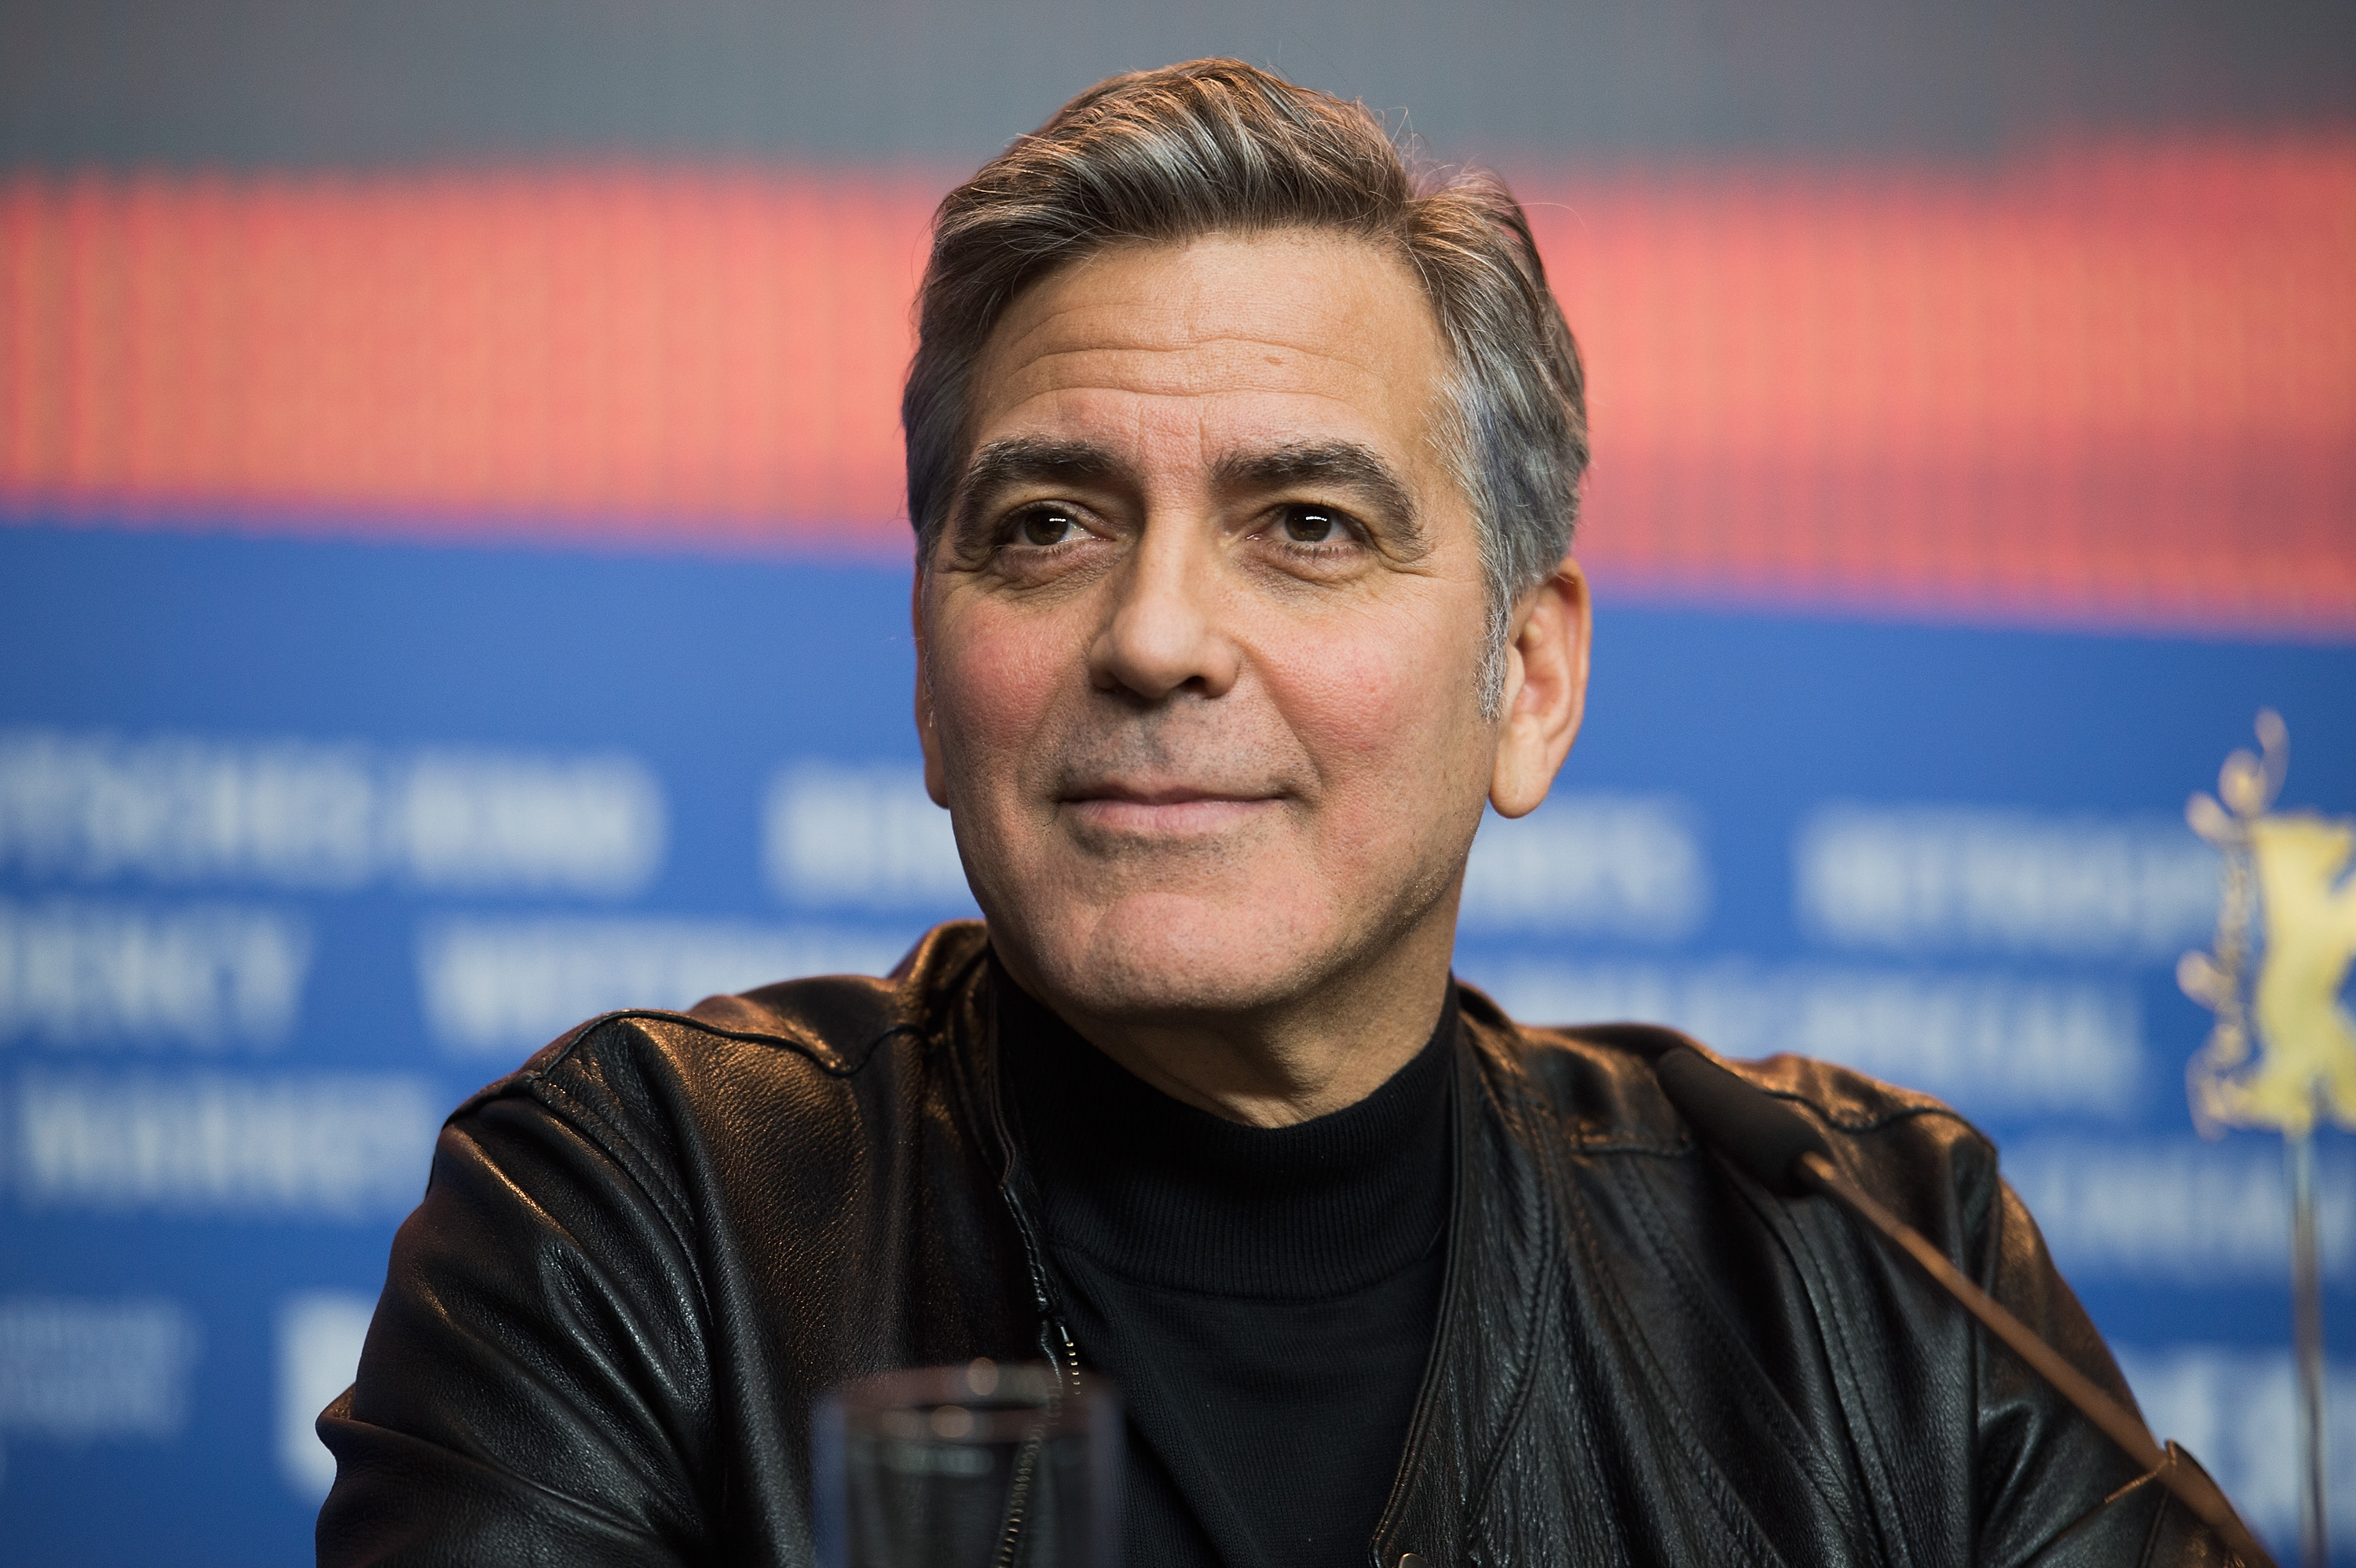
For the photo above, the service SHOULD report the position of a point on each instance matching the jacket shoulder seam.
(1875, 1122)
(832, 1062)
(1614, 1140)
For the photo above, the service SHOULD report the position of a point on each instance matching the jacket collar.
(1504, 1255)
(1504, 1247)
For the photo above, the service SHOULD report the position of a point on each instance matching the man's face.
(1200, 645)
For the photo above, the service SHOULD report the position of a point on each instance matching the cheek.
(1387, 705)
(994, 678)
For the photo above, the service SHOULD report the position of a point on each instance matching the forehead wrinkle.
(1147, 324)
(1140, 405)
(1191, 370)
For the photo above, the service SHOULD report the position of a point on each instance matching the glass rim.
(981, 1385)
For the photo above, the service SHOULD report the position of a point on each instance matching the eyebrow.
(1025, 460)
(1340, 464)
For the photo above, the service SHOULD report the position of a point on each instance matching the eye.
(1047, 526)
(1314, 525)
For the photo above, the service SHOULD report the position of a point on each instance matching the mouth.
(1155, 809)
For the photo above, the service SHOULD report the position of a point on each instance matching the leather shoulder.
(830, 1026)
(838, 1019)
(1597, 1080)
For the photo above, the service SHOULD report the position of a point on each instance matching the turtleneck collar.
(1164, 1194)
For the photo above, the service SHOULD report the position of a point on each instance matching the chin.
(1161, 956)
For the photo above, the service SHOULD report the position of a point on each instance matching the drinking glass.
(978, 1466)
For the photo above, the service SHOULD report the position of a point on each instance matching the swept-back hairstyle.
(1216, 145)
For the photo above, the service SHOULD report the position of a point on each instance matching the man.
(1242, 470)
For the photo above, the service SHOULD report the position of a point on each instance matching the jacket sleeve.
(2142, 1522)
(2036, 1452)
(534, 1386)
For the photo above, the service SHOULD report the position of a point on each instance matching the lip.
(1178, 809)
(1121, 793)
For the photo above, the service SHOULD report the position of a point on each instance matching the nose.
(1164, 633)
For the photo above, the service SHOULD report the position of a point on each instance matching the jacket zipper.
(1427, 1394)
(1056, 1340)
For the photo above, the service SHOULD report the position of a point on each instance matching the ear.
(1546, 690)
(927, 733)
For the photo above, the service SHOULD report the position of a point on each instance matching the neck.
(1281, 1063)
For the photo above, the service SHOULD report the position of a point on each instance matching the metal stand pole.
(2307, 1338)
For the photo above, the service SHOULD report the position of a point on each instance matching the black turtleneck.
(1263, 1298)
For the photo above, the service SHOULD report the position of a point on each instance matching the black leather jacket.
(642, 1256)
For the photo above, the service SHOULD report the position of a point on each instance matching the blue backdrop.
(300, 843)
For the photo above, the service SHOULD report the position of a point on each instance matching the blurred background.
(453, 583)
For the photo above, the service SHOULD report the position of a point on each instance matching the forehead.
(1295, 334)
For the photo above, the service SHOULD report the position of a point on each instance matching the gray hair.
(1216, 145)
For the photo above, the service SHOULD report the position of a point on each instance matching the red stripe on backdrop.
(2105, 387)
(2111, 386)
(703, 357)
